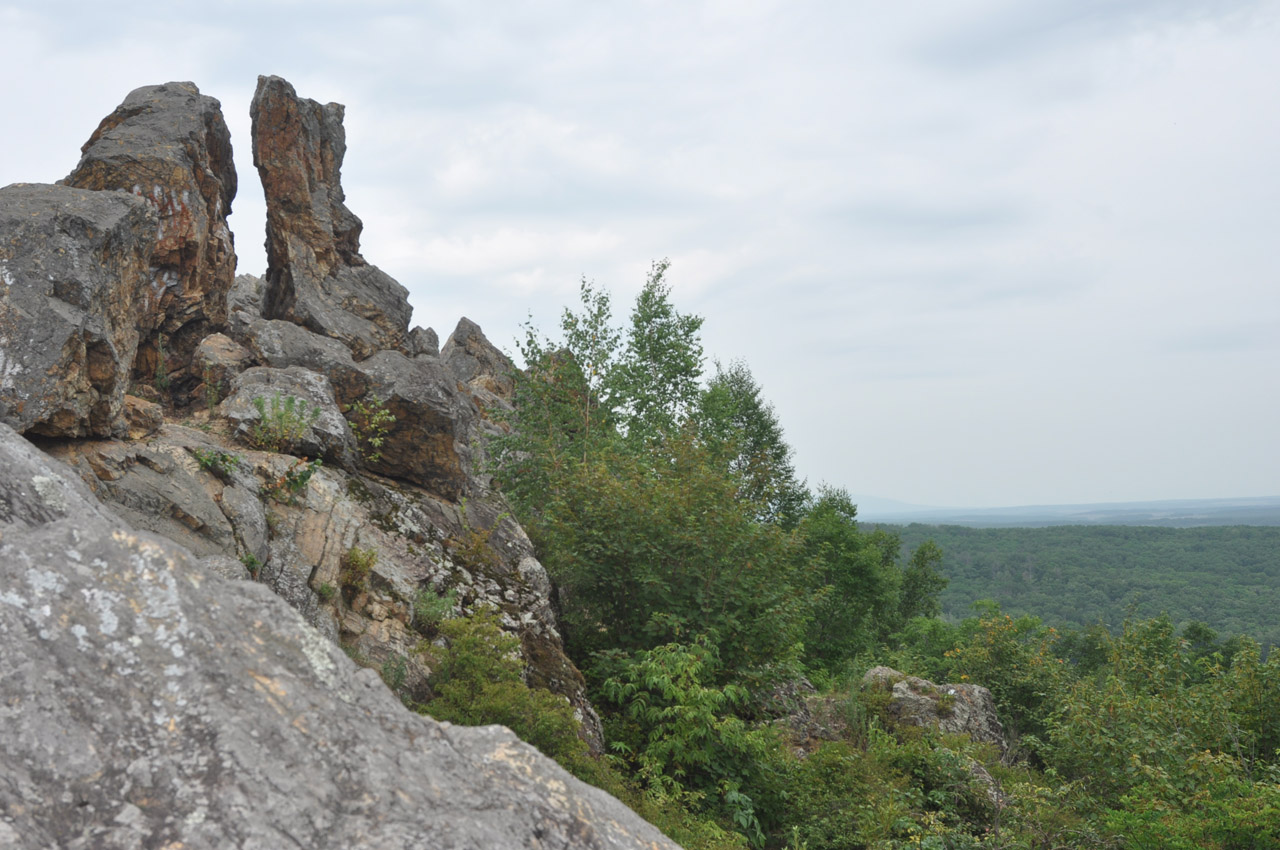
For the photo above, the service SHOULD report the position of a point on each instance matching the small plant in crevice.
(370, 421)
(212, 390)
(283, 423)
(946, 704)
(162, 365)
(471, 548)
(293, 482)
(356, 565)
(219, 463)
(252, 564)
(430, 609)
(327, 592)
(393, 672)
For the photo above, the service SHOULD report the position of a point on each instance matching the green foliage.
(252, 564)
(476, 679)
(212, 390)
(650, 554)
(221, 464)
(738, 424)
(370, 422)
(327, 592)
(162, 365)
(393, 671)
(863, 595)
(654, 387)
(1016, 661)
(683, 735)
(1077, 576)
(430, 608)
(293, 482)
(356, 564)
(283, 425)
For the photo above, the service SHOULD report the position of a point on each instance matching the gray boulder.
(169, 145)
(315, 274)
(74, 273)
(323, 431)
(225, 720)
(952, 708)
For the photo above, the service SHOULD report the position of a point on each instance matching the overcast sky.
(977, 253)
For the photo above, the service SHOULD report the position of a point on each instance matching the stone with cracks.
(170, 145)
(74, 268)
(951, 708)
(148, 703)
(315, 274)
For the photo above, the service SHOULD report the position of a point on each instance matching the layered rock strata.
(150, 702)
(74, 272)
(316, 276)
(170, 145)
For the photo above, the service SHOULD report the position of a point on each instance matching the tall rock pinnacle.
(170, 145)
(315, 274)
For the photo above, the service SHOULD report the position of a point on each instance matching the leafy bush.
(430, 608)
(683, 735)
(476, 679)
(283, 425)
(219, 463)
(370, 422)
(290, 485)
(356, 565)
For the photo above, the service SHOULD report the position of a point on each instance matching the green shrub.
(430, 609)
(356, 565)
(476, 679)
(326, 592)
(370, 422)
(283, 425)
(252, 564)
(221, 464)
(290, 485)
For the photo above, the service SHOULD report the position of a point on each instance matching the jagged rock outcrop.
(74, 270)
(952, 708)
(176, 461)
(170, 145)
(316, 276)
(148, 702)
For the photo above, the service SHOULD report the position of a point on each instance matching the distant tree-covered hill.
(1226, 576)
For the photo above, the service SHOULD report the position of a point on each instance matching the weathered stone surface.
(423, 341)
(282, 344)
(429, 441)
(157, 486)
(144, 417)
(326, 435)
(170, 145)
(316, 276)
(229, 722)
(477, 363)
(216, 361)
(73, 272)
(955, 709)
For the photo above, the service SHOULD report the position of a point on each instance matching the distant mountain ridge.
(1173, 513)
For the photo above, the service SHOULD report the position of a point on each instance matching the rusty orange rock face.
(169, 145)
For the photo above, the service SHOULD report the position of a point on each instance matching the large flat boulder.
(74, 270)
(316, 276)
(169, 145)
(148, 703)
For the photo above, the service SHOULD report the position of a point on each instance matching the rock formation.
(316, 276)
(213, 584)
(74, 270)
(170, 145)
(148, 703)
(955, 709)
